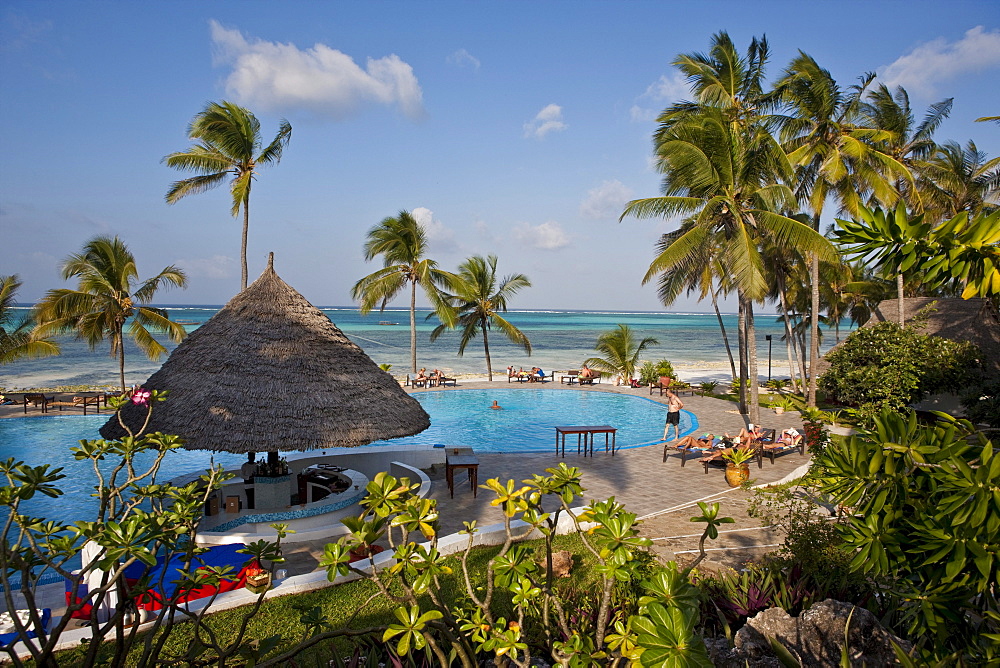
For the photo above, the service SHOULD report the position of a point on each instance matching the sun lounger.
(79, 403)
(36, 400)
(444, 380)
(772, 447)
(569, 377)
(596, 378)
(663, 384)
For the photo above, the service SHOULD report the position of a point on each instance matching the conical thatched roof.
(270, 372)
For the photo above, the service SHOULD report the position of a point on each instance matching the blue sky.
(512, 128)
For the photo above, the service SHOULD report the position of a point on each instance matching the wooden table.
(461, 458)
(586, 433)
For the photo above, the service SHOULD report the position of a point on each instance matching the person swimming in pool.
(496, 406)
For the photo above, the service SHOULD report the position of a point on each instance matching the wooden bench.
(596, 378)
(569, 377)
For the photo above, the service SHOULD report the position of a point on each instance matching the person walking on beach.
(674, 406)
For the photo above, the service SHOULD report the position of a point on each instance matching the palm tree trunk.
(722, 326)
(243, 245)
(789, 337)
(801, 342)
(899, 297)
(413, 325)
(813, 325)
(486, 348)
(752, 362)
(742, 328)
(121, 356)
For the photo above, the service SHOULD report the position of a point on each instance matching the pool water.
(524, 424)
(528, 417)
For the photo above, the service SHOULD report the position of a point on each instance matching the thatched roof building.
(270, 372)
(973, 320)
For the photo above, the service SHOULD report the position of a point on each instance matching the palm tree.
(962, 179)
(904, 140)
(228, 143)
(18, 338)
(621, 352)
(479, 300)
(107, 296)
(705, 276)
(833, 157)
(402, 242)
(721, 163)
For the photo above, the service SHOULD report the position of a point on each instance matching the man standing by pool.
(674, 406)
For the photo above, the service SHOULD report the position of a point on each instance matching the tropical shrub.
(924, 523)
(708, 387)
(650, 372)
(888, 367)
(139, 520)
(521, 612)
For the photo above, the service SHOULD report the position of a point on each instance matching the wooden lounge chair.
(444, 380)
(37, 400)
(79, 403)
(413, 381)
(596, 378)
(772, 448)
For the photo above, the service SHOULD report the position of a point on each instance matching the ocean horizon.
(560, 339)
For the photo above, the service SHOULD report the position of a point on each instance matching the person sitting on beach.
(540, 374)
(585, 372)
(435, 377)
(4, 401)
(754, 434)
(510, 371)
(421, 376)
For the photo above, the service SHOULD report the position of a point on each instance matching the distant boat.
(386, 322)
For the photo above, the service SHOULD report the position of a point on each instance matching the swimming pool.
(461, 418)
(528, 417)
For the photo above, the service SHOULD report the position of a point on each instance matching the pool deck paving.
(636, 477)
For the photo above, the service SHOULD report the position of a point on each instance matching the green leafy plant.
(923, 520)
(738, 456)
(138, 521)
(708, 387)
(887, 367)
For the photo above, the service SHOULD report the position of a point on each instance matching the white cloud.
(547, 236)
(442, 236)
(547, 120)
(324, 81)
(667, 89)
(217, 266)
(606, 200)
(463, 58)
(938, 61)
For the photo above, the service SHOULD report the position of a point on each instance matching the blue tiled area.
(297, 514)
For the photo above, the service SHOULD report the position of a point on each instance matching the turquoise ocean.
(559, 340)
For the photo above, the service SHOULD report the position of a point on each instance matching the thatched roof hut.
(270, 372)
(972, 320)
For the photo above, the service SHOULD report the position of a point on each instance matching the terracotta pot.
(737, 475)
(364, 553)
(778, 410)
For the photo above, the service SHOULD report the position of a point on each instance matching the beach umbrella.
(270, 372)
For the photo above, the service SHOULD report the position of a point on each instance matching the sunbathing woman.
(707, 441)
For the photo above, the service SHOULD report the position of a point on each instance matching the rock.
(815, 638)
(562, 563)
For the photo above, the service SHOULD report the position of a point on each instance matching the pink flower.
(141, 396)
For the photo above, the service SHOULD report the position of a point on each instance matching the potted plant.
(258, 580)
(782, 404)
(738, 465)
